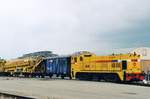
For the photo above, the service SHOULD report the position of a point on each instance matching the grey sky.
(65, 26)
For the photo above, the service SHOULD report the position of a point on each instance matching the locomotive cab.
(81, 64)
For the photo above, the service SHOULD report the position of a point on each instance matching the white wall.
(143, 51)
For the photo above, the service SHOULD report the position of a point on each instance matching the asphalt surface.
(71, 89)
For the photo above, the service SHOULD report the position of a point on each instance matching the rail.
(135, 83)
(11, 96)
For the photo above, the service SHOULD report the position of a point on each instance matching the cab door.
(124, 65)
(81, 62)
(124, 68)
(87, 62)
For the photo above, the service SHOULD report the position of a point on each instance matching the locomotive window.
(81, 58)
(87, 55)
(75, 59)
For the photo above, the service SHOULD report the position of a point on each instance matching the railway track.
(127, 83)
(11, 96)
(124, 83)
(134, 83)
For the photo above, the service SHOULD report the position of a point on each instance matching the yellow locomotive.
(119, 67)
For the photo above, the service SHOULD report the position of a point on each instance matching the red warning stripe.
(106, 61)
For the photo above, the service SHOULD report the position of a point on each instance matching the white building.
(144, 52)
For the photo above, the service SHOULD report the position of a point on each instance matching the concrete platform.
(71, 89)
